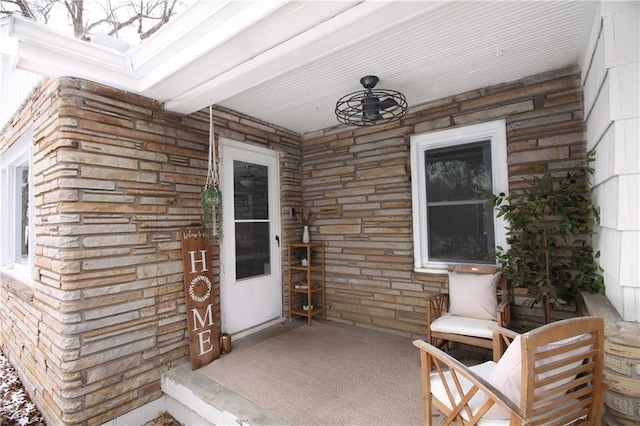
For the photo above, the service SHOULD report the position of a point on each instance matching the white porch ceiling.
(288, 62)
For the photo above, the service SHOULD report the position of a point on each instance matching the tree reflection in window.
(251, 218)
(22, 174)
(460, 223)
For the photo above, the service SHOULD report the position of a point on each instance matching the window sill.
(432, 269)
(16, 285)
(443, 268)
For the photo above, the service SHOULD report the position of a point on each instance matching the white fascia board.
(46, 52)
(8, 45)
(365, 18)
(31, 33)
(211, 33)
(45, 60)
(161, 45)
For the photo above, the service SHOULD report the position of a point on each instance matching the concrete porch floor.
(193, 399)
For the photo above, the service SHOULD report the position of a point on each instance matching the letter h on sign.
(203, 260)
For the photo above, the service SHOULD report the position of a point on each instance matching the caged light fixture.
(371, 106)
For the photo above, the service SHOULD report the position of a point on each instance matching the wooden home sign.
(204, 344)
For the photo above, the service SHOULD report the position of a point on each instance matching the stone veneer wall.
(116, 177)
(621, 363)
(358, 180)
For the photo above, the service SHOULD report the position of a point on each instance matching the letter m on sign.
(204, 343)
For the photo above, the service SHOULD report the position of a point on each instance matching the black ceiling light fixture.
(371, 106)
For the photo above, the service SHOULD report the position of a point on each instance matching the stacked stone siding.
(358, 180)
(116, 177)
(621, 363)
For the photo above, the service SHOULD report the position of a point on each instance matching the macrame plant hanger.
(211, 194)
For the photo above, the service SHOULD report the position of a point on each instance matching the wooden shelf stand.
(313, 274)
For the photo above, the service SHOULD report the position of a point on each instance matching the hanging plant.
(211, 196)
(212, 214)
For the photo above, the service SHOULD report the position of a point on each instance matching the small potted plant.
(306, 219)
(300, 254)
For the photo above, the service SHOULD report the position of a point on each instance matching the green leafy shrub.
(550, 224)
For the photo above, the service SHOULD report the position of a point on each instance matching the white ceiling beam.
(327, 37)
(181, 26)
(162, 60)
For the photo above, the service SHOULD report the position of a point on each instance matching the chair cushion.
(438, 391)
(455, 324)
(473, 295)
(507, 376)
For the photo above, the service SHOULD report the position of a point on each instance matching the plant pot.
(225, 343)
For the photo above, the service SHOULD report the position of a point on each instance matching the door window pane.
(251, 191)
(252, 250)
(251, 215)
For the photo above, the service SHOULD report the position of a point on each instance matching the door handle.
(278, 240)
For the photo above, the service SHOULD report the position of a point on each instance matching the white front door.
(251, 267)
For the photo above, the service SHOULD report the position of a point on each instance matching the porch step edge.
(214, 403)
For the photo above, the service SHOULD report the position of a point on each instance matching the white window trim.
(493, 130)
(16, 155)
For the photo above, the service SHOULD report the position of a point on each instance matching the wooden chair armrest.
(502, 337)
(504, 306)
(502, 331)
(504, 314)
(437, 306)
(435, 296)
(432, 358)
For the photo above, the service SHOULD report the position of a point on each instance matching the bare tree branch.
(117, 26)
(21, 7)
(43, 9)
(75, 9)
(167, 13)
(112, 17)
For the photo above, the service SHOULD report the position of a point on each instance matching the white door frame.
(228, 242)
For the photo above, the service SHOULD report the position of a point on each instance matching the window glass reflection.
(461, 233)
(460, 223)
(22, 222)
(458, 172)
(251, 216)
(252, 249)
(251, 191)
